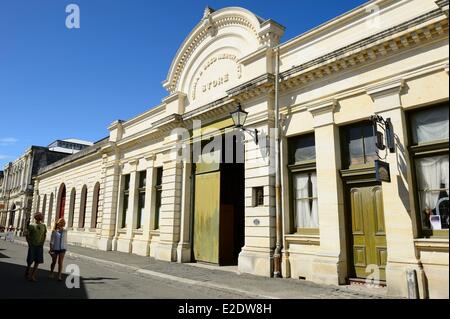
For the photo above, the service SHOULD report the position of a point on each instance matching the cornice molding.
(443, 5)
(414, 32)
(173, 97)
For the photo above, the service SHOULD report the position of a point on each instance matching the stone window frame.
(294, 168)
(158, 196)
(429, 149)
(125, 200)
(141, 187)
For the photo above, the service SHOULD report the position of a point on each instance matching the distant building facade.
(2, 203)
(340, 223)
(17, 184)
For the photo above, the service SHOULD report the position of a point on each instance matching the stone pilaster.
(124, 243)
(169, 226)
(36, 203)
(329, 265)
(184, 246)
(141, 245)
(256, 256)
(109, 212)
(399, 226)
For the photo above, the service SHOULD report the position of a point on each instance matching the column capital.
(323, 112)
(389, 87)
(133, 164)
(151, 157)
(386, 95)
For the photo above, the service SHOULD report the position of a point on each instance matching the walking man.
(35, 237)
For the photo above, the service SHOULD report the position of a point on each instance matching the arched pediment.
(207, 62)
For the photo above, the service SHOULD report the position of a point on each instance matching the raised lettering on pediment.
(215, 74)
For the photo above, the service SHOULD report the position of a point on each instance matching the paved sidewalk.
(212, 277)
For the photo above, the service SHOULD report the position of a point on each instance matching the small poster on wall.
(382, 171)
(435, 221)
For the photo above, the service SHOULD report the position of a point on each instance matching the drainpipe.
(278, 212)
(191, 208)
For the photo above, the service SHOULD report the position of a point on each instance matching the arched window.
(50, 210)
(82, 215)
(73, 195)
(44, 205)
(61, 201)
(95, 200)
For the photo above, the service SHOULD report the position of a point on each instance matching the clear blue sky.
(58, 83)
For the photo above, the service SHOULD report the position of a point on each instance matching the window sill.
(307, 231)
(122, 231)
(138, 231)
(303, 239)
(154, 232)
(432, 244)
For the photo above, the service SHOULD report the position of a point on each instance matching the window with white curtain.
(302, 166)
(305, 197)
(429, 135)
(432, 180)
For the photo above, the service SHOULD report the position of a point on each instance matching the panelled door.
(368, 231)
(207, 217)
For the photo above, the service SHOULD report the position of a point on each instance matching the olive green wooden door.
(206, 217)
(368, 231)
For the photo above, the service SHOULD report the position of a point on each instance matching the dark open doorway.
(232, 216)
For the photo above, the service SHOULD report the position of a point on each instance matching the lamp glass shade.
(239, 117)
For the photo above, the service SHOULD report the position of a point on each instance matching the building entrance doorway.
(368, 235)
(62, 201)
(219, 204)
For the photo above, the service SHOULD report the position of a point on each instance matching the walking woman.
(58, 244)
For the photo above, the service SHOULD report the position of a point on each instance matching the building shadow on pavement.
(16, 286)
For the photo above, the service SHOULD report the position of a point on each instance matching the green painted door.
(207, 217)
(368, 231)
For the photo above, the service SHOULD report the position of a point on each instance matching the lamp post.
(239, 116)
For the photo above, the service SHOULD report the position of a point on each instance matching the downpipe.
(278, 212)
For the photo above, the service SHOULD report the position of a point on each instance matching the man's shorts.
(35, 254)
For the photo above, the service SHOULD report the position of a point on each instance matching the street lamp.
(239, 116)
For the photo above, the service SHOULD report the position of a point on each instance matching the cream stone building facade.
(131, 192)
